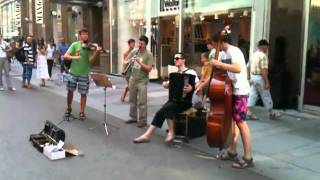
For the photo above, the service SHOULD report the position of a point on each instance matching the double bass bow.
(219, 119)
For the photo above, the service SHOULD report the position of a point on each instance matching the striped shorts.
(80, 82)
(239, 107)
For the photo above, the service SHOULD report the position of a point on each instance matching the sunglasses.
(177, 58)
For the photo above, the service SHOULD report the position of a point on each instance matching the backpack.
(19, 54)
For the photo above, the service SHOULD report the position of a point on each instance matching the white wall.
(260, 22)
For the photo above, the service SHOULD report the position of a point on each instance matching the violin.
(91, 46)
(219, 122)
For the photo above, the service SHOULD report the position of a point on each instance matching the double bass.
(219, 118)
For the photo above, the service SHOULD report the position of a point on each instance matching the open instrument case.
(50, 134)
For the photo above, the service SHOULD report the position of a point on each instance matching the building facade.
(291, 26)
(159, 19)
(54, 19)
(10, 18)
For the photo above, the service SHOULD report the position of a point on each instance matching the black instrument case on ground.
(51, 134)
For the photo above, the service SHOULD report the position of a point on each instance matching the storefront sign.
(39, 11)
(170, 7)
(17, 13)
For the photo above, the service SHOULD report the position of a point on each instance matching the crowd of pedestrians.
(32, 54)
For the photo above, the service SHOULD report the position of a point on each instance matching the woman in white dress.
(42, 66)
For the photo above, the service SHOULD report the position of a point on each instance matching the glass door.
(312, 76)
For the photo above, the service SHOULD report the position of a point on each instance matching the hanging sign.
(170, 7)
(17, 13)
(39, 11)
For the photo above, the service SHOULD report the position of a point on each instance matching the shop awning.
(79, 2)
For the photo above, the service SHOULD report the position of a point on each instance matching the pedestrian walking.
(260, 85)
(51, 49)
(62, 48)
(4, 64)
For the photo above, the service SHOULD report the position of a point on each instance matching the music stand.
(101, 80)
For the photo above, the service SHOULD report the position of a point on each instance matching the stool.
(182, 118)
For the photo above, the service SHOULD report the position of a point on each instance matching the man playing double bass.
(232, 60)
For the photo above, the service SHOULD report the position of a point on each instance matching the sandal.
(67, 113)
(244, 163)
(82, 116)
(227, 156)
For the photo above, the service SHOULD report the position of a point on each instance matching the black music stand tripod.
(101, 80)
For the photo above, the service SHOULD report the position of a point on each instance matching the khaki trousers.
(138, 100)
(4, 65)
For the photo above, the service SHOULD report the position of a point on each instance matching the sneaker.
(1, 89)
(12, 89)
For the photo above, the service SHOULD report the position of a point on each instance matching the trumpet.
(129, 65)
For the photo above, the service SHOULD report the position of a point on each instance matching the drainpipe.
(304, 36)
(181, 25)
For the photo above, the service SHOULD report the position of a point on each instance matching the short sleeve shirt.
(137, 73)
(239, 80)
(82, 66)
(28, 49)
(258, 62)
(63, 48)
(3, 46)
